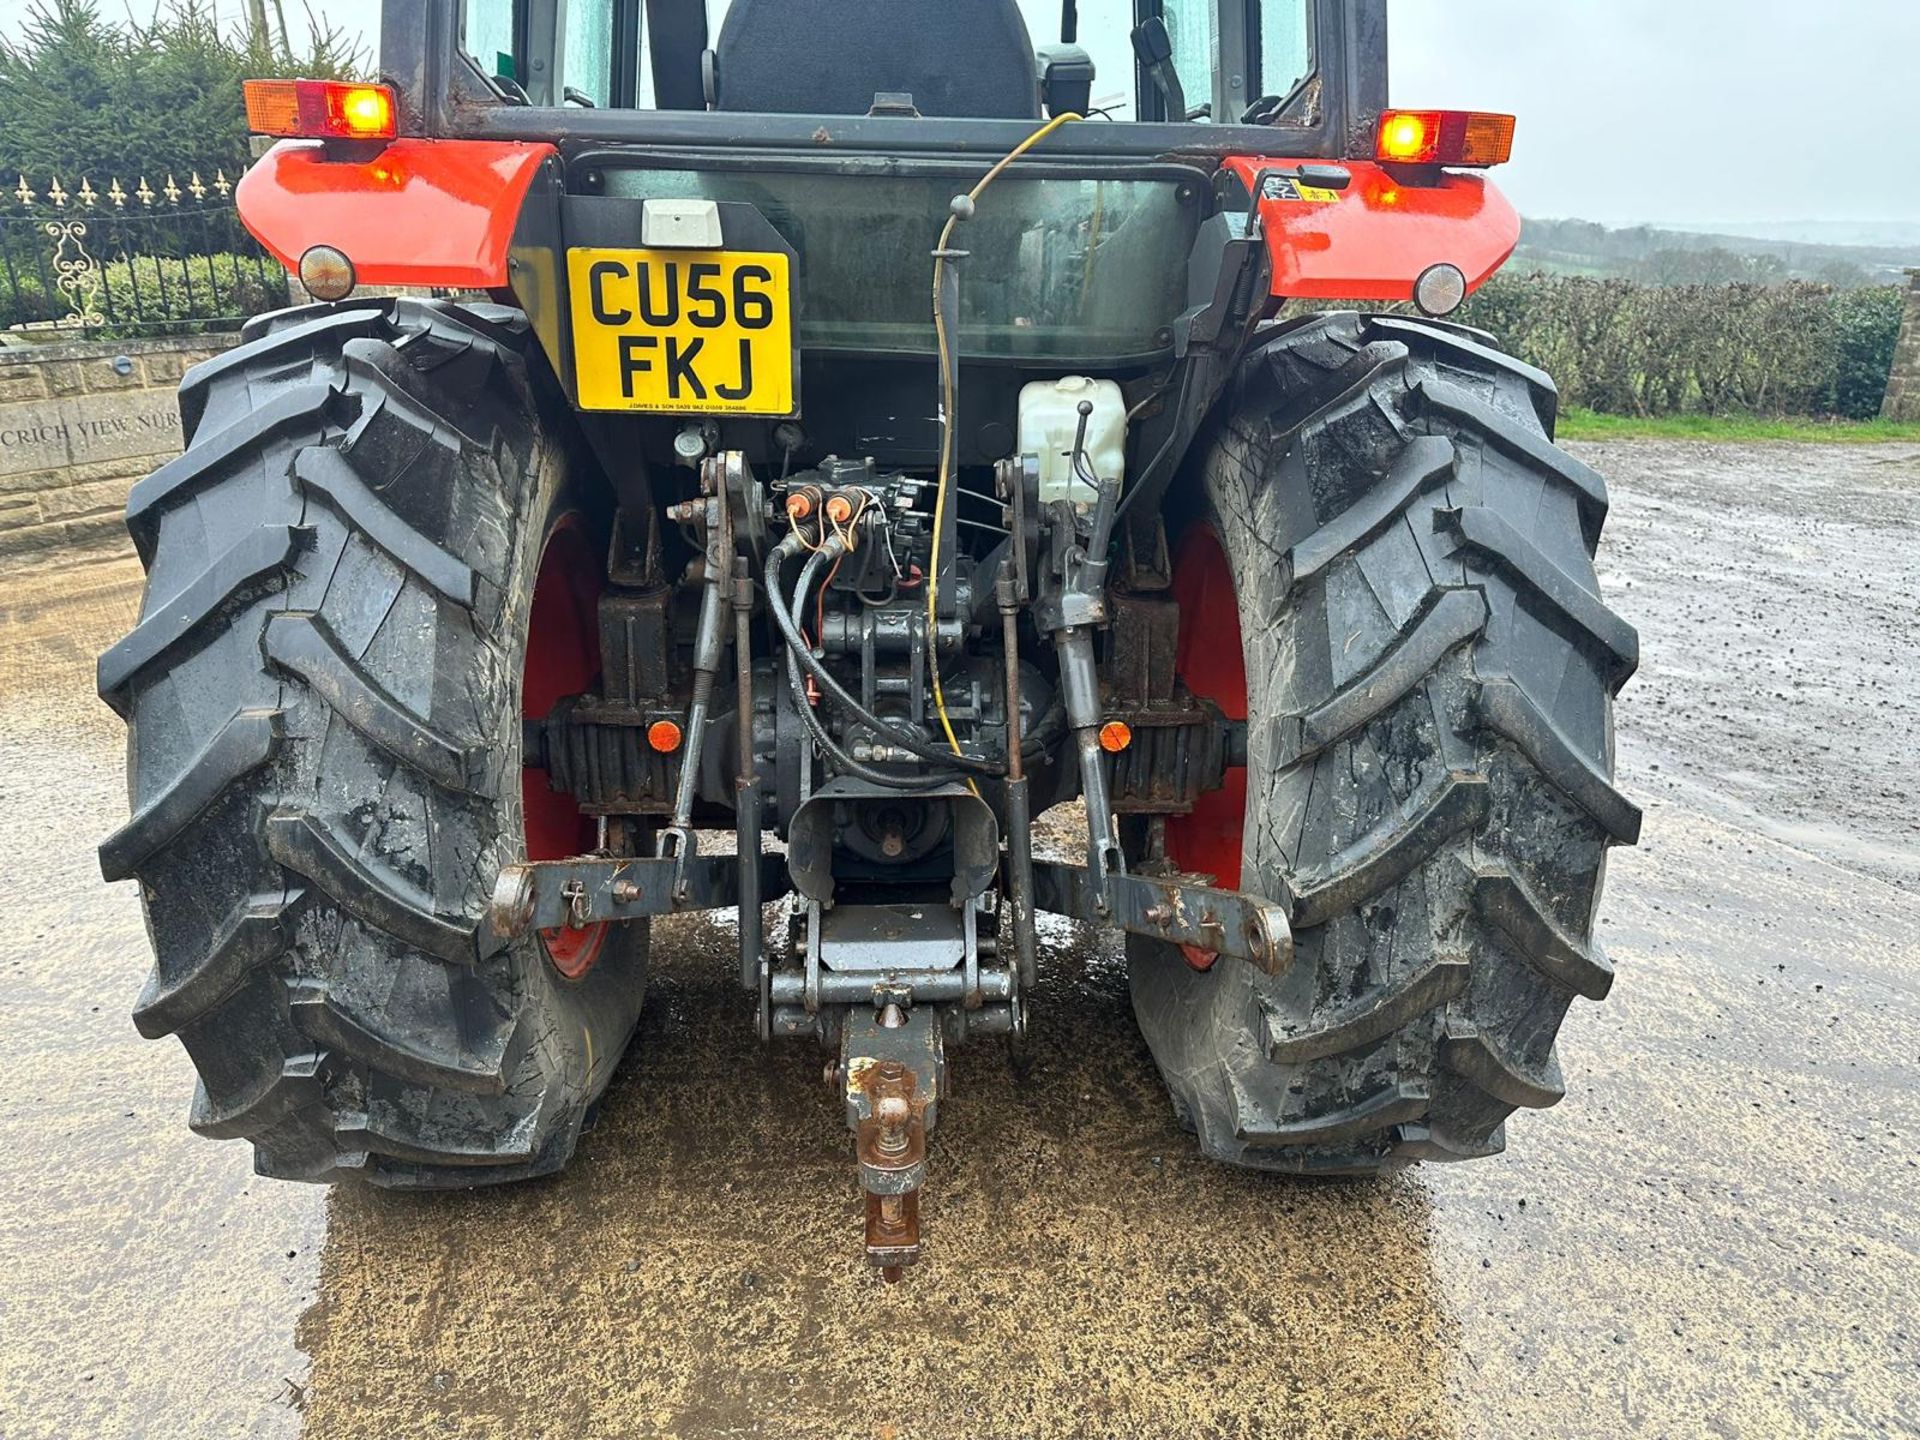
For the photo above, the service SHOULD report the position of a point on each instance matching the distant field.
(1848, 257)
(1578, 424)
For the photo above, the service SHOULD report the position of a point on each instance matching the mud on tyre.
(324, 691)
(1408, 561)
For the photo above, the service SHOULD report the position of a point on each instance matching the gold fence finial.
(85, 195)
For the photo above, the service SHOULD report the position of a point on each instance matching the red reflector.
(320, 109)
(1445, 137)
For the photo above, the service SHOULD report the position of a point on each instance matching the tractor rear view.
(859, 430)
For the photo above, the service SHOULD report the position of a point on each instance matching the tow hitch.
(892, 1069)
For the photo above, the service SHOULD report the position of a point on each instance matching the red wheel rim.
(563, 659)
(1209, 660)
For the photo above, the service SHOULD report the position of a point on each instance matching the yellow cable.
(948, 398)
(793, 524)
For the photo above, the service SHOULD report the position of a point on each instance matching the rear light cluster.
(1445, 137)
(320, 110)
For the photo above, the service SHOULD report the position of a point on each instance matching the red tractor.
(864, 428)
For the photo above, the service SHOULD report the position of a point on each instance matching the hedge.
(1623, 348)
(88, 87)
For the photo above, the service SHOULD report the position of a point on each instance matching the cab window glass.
(1286, 44)
(486, 33)
(586, 50)
(1190, 28)
(580, 35)
(1105, 26)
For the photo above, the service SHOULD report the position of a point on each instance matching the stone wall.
(79, 424)
(1903, 390)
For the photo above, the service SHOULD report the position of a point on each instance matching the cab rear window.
(602, 54)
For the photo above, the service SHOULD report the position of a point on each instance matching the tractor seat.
(831, 57)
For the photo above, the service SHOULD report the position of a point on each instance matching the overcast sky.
(1668, 111)
(1684, 110)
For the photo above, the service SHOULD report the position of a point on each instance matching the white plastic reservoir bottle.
(1049, 419)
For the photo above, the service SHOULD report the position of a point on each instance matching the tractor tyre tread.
(1431, 672)
(322, 692)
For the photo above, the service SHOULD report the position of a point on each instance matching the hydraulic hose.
(835, 691)
(925, 750)
(1047, 730)
(839, 756)
(824, 737)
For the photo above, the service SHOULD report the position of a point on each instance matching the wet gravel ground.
(1715, 1234)
(1777, 590)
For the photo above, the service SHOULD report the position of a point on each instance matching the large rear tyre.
(324, 694)
(1392, 575)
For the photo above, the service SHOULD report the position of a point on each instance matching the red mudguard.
(1378, 236)
(421, 212)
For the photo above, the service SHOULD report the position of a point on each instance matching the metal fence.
(130, 260)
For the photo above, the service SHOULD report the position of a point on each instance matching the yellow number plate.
(682, 331)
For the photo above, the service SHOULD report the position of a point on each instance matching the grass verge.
(1578, 424)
